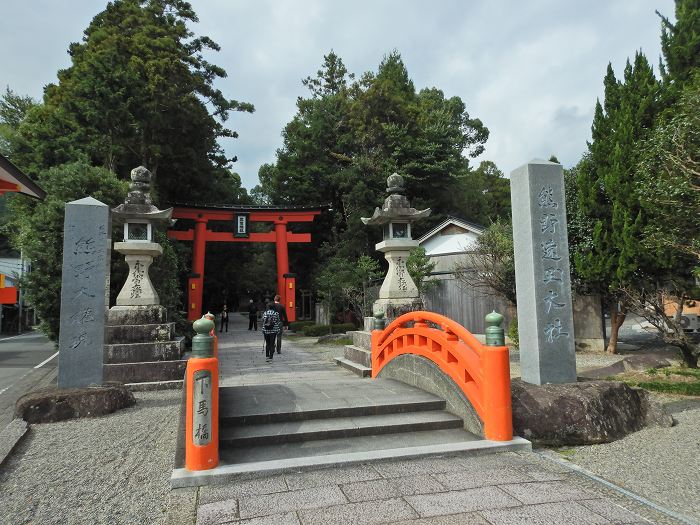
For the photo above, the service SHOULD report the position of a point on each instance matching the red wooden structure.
(240, 218)
(481, 372)
(12, 180)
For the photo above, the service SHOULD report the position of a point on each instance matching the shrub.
(296, 326)
(342, 328)
(513, 333)
(315, 330)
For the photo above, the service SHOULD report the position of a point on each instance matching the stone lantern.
(139, 215)
(398, 293)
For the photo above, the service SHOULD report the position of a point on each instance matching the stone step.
(139, 333)
(355, 368)
(144, 352)
(257, 404)
(243, 463)
(358, 355)
(362, 339)
(321, 447)
(145, 372)
(342, 427)
(121, 315)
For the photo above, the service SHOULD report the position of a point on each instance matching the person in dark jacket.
(224, 319)
(282, 311)
(271, 326)
(252, 316)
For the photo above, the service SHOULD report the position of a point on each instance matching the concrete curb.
(10, 436)
(225, 473)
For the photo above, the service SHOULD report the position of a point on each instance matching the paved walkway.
(506, 488)
(242, 360)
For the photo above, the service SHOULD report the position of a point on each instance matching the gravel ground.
(584, 361)
(660, 464)
(108, 470)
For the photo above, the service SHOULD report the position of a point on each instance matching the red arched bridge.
(482, 372)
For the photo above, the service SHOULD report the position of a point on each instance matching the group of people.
(274, 320)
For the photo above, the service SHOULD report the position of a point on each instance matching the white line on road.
(3, 390)
(44, 362)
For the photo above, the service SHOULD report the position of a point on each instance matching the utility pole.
(19, 294)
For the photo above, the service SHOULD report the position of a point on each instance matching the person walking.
(252, 316)
(224, 319)
(271, 326)
(281, 310)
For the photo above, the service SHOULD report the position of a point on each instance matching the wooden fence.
(464, 305)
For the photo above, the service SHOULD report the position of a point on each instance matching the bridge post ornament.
(494, 331)
(139, 216)
(398, 293)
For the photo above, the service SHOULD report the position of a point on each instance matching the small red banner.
(8, 295)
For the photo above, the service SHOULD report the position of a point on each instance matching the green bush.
(513, 333)
(342, 328)
(296, 326)
(315, 330)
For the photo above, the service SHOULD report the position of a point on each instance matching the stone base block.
(393, 308)
(50, 405)
(145, 372)
(362, 339)
(121, 315)
(138, 333)
(144, 352)
(583, 413)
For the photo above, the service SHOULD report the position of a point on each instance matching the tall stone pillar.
(84, 293)
(542, 278)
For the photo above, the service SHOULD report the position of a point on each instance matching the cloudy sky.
(530, 70)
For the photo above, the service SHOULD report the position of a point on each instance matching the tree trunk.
(690, 358)
(617, 317)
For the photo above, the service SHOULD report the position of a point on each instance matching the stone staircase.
(272, 423)
(358, 356)
(141, 347)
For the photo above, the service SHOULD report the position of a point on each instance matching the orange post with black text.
(202, 391)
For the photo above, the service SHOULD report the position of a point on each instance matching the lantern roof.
(396, 206)
(138, 204)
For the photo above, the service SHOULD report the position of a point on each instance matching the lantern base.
(138, 289)
(393, 308)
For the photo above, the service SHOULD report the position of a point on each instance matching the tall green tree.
(39, 231)
(680, 46)
(613, 258)
(13, 110)
(351, 133)
(138, 92)
(485, 195)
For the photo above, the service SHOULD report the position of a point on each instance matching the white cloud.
(530, 70)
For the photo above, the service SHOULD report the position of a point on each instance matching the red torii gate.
(240, 218)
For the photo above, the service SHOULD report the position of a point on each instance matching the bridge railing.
(482, 372)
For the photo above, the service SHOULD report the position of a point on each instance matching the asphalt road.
(25, 361)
